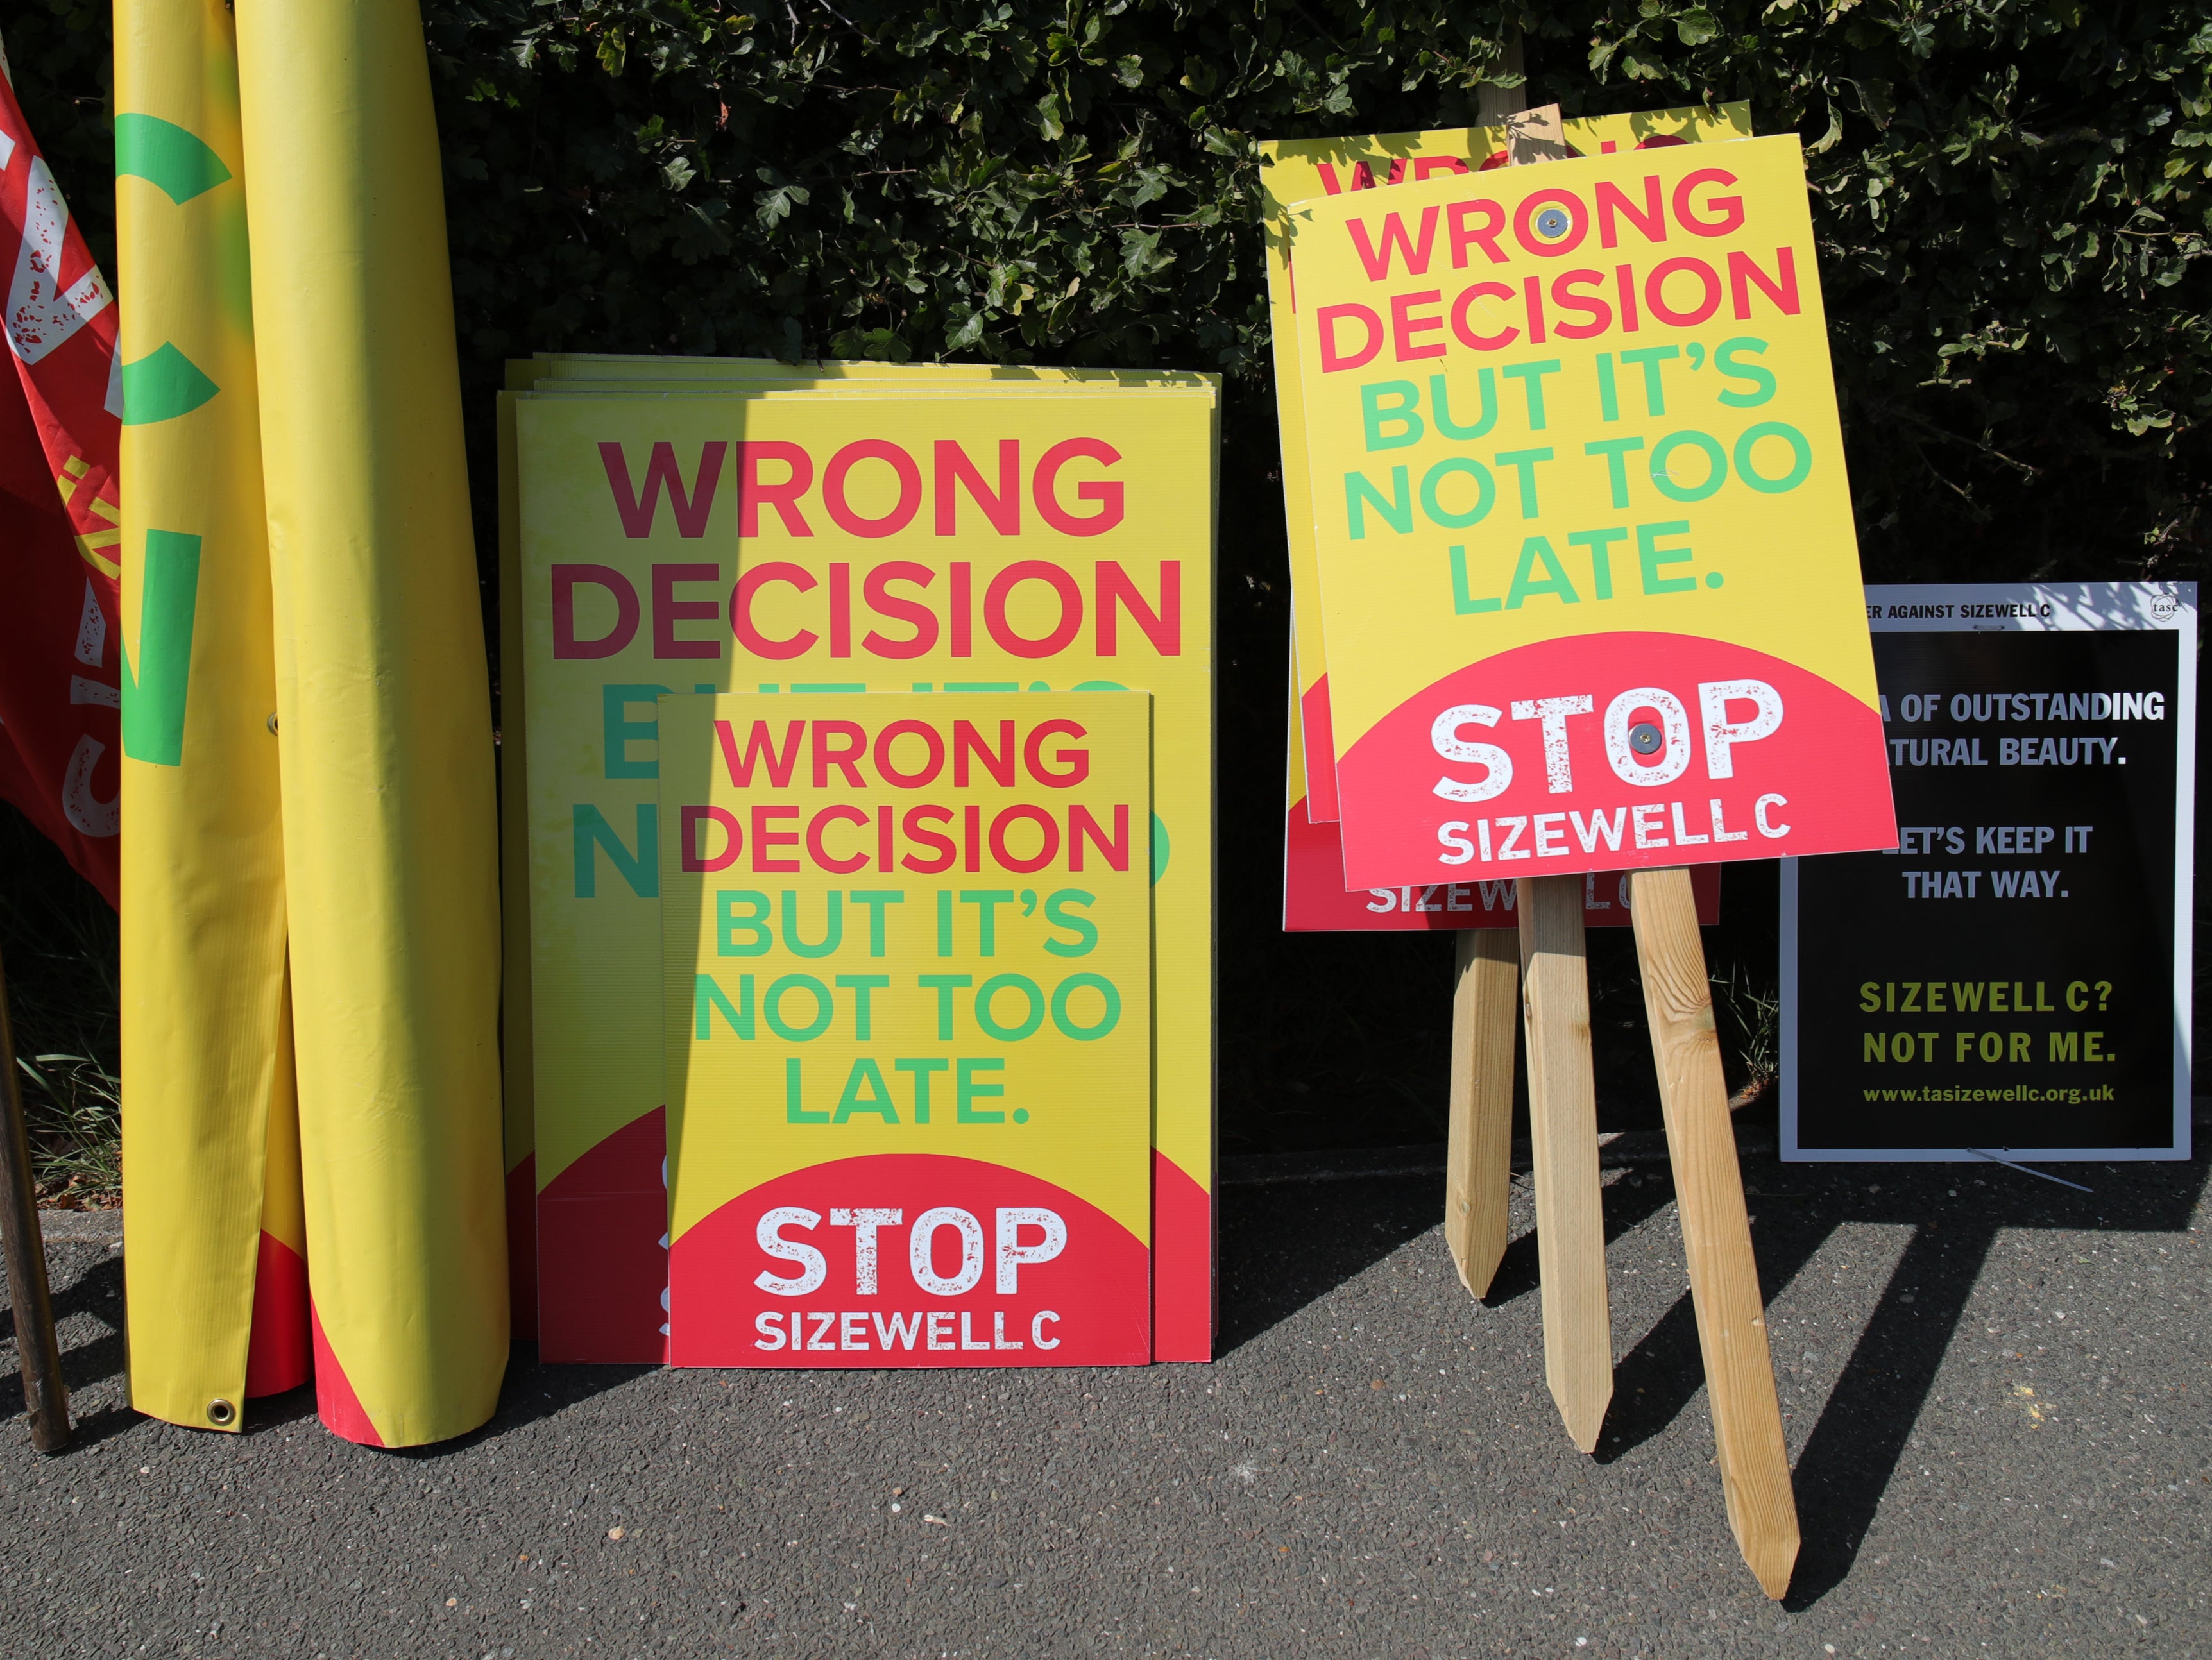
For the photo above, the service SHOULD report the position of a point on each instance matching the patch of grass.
(58, 940)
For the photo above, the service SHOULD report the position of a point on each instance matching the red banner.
(60, 517)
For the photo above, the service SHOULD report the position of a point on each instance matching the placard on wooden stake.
(1723, 1274)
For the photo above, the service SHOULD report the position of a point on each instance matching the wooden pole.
(45, 1396)
(1762, 1511)
(1478, 1137)
(1478, 1153)
(1493, 103)
(1563, 1134)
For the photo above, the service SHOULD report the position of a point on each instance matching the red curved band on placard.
(1090, 1305)
(335, 1403)
(278, 1349)
(1183, 1232)
(601, 1267)
(1825, 762)
(1319, 739)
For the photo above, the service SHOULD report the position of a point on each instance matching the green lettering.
(641, 870)
(168, 598)
(1555, 578)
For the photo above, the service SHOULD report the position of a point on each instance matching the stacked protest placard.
(1583, 547)
(997, 1025)
(909, 1052)
(1313, 889)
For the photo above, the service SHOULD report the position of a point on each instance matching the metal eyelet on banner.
(221, 1412)
(1644, 738)
(272, 724)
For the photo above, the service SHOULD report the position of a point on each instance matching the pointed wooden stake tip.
(1584, 1417)
(1772, 1562)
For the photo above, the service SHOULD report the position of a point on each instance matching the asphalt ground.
(1994, 1390)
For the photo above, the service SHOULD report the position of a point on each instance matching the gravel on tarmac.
(1994, 1390)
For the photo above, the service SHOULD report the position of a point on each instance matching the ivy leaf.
(1696, 25)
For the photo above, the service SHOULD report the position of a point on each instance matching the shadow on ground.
(1285, 1246)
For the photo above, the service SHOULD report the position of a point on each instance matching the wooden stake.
(1479, 1156)
(1478, 1167)
(1762, 1511)
(1563, 1133)
(45, 1396)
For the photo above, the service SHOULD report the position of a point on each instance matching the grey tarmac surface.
(1995, 1392)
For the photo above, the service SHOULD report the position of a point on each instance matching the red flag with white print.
(60, 516)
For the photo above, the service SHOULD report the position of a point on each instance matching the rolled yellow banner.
(213, 1195)
(385, 726)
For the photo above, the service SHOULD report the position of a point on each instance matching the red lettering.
(1525, 232)
(1105, 493)
(1655, 291)
(842, 464)
(668, 611)
(1001, 589)
(766, 841)
(1624, 287)
(733, 838)
(759, 747)
(1002, 508)
(1727, 219)
(1404, 325)
(1394, 236)
(1744, 275)
(971, 826)
(755, 492)
(566, 580)
(841, 609)
(963, 610)
(855, 746)
(932, 740)
(1463, 326)
(819, 853)
(999, 763)
(875, 590)
(1566, 296)
(1426, 167)
(1651, 219)
(1046, 853)
(661, 472)
(1532, 295)
(1332, 358)
(1074, 764)
(912, 823)
(1363, 178)
(1163, 627)
(1082, 827)
(741, 610)
(1465, 235)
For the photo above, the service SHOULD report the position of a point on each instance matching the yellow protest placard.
(907, 1008)
(1294, 170)
(719, 538)
(592, 373)
(1588, 582)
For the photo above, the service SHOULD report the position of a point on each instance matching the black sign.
(2006, 979)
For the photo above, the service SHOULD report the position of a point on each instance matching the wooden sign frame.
(1552, 977)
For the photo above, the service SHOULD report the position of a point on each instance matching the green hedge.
(2010, 195)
